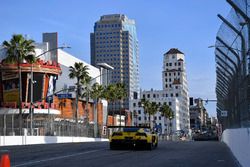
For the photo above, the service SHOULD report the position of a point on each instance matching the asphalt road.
(168, 154)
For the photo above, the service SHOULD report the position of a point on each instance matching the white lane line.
(56, 158)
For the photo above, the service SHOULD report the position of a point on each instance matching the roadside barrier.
(5, 160)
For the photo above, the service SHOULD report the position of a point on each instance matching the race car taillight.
(141, 134)
(117, 134)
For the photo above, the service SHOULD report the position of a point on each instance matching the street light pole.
(32, 88)
(19, 89)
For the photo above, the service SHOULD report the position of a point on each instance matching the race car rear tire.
(149, 146)
(156, 144)
(112, 146)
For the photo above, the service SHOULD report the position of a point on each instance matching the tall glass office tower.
(114, 41)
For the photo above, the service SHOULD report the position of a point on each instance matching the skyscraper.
(114, 41)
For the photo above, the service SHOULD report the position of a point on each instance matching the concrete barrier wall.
(27, 140)
(238, 140)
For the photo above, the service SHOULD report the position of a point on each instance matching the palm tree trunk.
(76, 114)
(87, 112)
(121, 113)
(96, 118)
(149, 120)
(170, 125)
(107, 116)
(77, 97)
(113, 113)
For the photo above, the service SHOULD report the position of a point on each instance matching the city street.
(171, 154)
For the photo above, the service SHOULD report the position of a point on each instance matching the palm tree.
(152, 110)
(85, 84)
(144, 104)
(167, 112)
(121, 93)
(19, 49)
(96, 94)
(80, 72)
(110, 95)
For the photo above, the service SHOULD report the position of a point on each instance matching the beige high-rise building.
(114, 41)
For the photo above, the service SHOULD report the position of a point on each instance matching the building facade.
(174, 94)
(114, 41)
(50, 72)
(198, 115)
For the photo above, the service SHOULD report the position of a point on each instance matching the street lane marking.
(56, 158)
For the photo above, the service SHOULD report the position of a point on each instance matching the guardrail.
(28, 140)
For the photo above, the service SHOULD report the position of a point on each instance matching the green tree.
(80, 72)
(121, 93)
(109, 94)
(19, 49)
(96, 94)
(145, 105)
(167, 112)
(85, 85)
(152, 110)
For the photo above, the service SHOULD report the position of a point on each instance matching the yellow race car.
(129, 136)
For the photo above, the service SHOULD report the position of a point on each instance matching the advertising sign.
(9, 75)
(64, 96)
(10, 86)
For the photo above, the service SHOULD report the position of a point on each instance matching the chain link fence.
(232, 53)
(49, 127)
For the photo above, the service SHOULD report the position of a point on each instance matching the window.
(179, 63)
(176, 94)
(166, 85)
(175, 64)
(155, 118)
(166, 74)
(166, 95)
(148, 95)
(170, 85)
(173, 57)
(159, 117)
(169, 79)
(145, 118)
(134, 104)
(153, 95)
(143, 96)
(139, 118)
(170, 64)
(166, 64)
(139, 111)
(169, 103)
(172, 95)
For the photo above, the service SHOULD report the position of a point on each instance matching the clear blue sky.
(190, 25)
